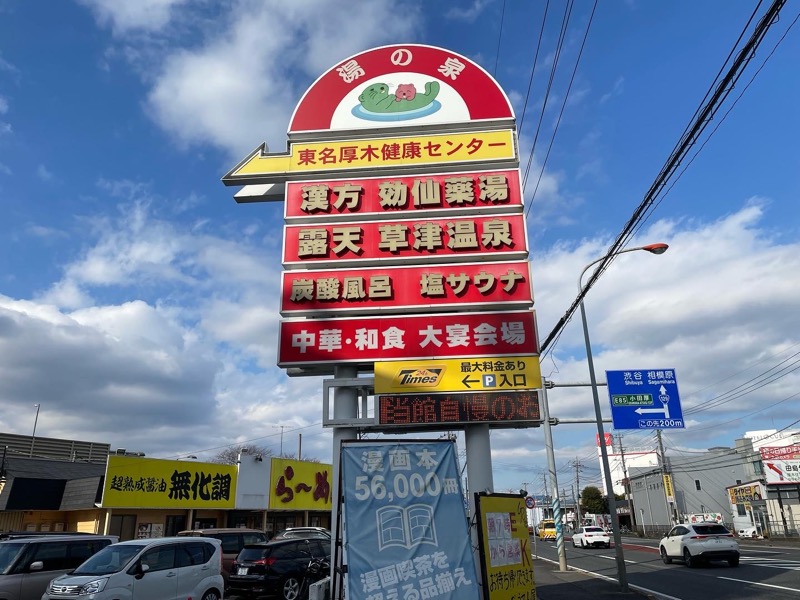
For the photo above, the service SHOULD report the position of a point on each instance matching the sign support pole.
(345, 406)
(479, 475)
(551, 467)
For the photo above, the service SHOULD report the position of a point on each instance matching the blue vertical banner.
(405, 528)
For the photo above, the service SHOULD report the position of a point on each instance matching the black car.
(275, 568)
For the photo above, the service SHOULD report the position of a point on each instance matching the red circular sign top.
(395, 86)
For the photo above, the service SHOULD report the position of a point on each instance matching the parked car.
(748, 532)
(293, 533)
(593, 537)
(276, 568)
(28, 564)
(699, 542)
(149, 569)
(233, 540)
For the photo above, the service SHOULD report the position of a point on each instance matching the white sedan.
(591, 537)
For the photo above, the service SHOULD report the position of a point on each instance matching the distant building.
(699, 489)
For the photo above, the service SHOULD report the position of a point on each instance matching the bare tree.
(229, 455)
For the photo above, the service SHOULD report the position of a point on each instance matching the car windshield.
(711, 530)
(9, 553)
(594, 530)
(110, 559)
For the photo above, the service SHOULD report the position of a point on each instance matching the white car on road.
(699, 542)
(591, 537)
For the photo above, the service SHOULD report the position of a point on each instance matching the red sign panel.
(407, 241)
(391, 197)
(422, 288)
(503, 409)
(780, 452)
(369, 339)
(400, 85)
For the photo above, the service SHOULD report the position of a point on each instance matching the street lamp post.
(35, 421)
(612, 503)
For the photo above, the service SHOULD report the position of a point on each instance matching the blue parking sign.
(644, 399)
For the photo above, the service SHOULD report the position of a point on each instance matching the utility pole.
(626, 483)
(578, 466)
(666, 478)
(546, 496)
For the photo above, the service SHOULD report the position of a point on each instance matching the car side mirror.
(141, 569)
(36, 565)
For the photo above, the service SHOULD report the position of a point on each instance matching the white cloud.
(616, 90)
(125, 17)
(470, 13)
(43, 174)
(238, 87)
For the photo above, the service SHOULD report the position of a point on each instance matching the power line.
(704, 114)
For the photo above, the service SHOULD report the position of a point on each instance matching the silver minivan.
(149, 569)
(28, 564)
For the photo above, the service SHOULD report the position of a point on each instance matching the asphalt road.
(766, 571)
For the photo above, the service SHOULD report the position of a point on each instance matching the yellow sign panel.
(505, 547)
(458, 375)
(375, 153)
(300, 485)
(137, 482)
(668, 489)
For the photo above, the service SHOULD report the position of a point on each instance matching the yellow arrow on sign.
(306, 159)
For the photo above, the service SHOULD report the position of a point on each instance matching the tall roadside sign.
(405, 240)
(644, 399)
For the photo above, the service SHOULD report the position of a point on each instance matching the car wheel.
(687, 558)
(734, 562)
(583, 545)
(667, 560)
(212, 595)
(290, 590)
(608, 545)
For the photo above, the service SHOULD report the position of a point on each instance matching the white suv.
(153, 569)
(699, 542)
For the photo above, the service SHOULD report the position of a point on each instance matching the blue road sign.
(644, 399)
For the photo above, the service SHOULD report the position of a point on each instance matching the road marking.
(633, 562)
(638, 588)
(769, 585)
(773, 563)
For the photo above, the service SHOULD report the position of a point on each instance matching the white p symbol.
(489, 381)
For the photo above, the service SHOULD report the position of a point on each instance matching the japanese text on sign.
(401, 505)
(499, 408)
(377, 289)
(402, 194)
(400, 337)
(407, 240)
(153, 483)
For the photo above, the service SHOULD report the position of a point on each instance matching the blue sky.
(138, 301)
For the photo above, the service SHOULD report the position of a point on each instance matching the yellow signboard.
(137, 482)
(668, 489)
(505, 547)
(458, 375)
(375, 153)
(300, 485)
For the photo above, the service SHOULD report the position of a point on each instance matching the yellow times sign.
(375, 153)
(458, 375)
(138, 482)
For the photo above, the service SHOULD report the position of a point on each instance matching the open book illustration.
(405, 527)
